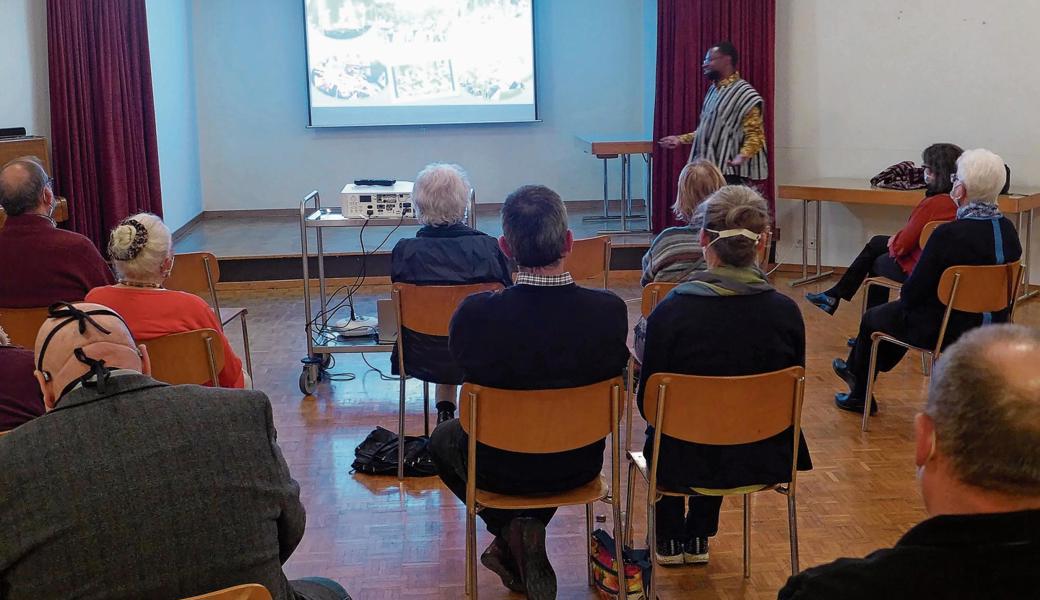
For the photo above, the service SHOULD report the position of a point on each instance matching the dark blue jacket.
(443, 255)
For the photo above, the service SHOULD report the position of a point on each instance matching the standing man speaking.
(730, 133)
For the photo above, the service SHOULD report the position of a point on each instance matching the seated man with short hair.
(39, 263)
(545, 332)
(979, 469)
(131, 488)
(20, 399)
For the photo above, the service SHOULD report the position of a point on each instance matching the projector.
(378, 201)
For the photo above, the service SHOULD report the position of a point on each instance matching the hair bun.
(128, 239)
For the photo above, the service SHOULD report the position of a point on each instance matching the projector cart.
(319, 355)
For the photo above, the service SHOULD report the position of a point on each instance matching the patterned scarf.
(979, 210)
(725, 281)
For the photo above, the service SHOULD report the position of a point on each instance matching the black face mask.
(713, 75)
(99, 372)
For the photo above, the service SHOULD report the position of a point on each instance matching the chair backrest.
(980, 288)
(249, 591)
(189, 357)
(196, 273)
(653, 293)
(927, 231)
(22, 324)
(540, 421)
(725, 410)
(428, 308)
(590, 259)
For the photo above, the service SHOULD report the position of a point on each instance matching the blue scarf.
(979, 211)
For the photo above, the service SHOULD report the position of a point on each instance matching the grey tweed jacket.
(146, 491)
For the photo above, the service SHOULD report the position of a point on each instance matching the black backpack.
(377, 455)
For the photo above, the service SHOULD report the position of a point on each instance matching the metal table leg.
(820, 274)
(606, 216)
(1028, 215)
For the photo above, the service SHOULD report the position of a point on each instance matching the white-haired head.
(142, 249)
(982, 174)
(441, 194)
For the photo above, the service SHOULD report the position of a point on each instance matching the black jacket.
(530, 337)
(442, 255)
(724, 336)
(960, 242)
(953, 557)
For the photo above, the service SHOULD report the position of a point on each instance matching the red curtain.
(103, 142)
(686, 29)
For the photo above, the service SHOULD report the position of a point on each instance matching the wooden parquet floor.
(384, 541)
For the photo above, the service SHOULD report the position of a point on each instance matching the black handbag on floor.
(377, 455)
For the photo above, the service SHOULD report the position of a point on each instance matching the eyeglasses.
(49, 182)
(953, 179)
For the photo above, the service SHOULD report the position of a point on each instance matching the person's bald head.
(25, 187)
(984, 408)
(76, 334)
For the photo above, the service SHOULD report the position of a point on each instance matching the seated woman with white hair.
(445, 251)
(980, 235)
(141, 248)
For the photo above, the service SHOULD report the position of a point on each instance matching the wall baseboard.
(185, 229)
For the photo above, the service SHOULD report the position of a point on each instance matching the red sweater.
(153, 313)
(904, 245)
(41, 264)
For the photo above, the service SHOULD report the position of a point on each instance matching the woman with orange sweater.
(894, 257)
(141, 248)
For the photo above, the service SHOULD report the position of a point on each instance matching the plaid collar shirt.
(544, 280)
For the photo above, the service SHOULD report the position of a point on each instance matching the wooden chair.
(722, 411)
(61, 211)
(652, 294)
(249, 591)
(972, 289)
(590, 260)
(926, 232)
(199, 273)
(425, 309)
(540, 422)
(22, 324)
(189, 357)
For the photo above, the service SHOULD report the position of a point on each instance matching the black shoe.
(695, 551)
(669, 552)
(500, 561)
(845, 402)
(445, 412)
(841, 369)
(851, 342)
(527, 543)
(823, 302)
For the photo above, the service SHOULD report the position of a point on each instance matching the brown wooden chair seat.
(189, 357)
(249, 591)
(199, 273)
(720, 411)
(540, 422)
(22, 324)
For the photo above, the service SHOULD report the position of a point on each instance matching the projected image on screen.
(403, 62)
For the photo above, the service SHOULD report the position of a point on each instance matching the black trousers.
(872, 261)
(701, 519)
(888, 318)
(737, 180)
(672, 519)
(448, 447)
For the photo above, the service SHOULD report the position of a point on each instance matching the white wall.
(23, 65)
(862, 85)
(173, 87)
(256, 151)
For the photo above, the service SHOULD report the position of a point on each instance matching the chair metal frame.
(211, 270)
(214, 353)
(22, 324)
(249, 591)
(776, 399)
(579, 249)
(949, 285)
(652, 294)
(438, 303)
(513, 409)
